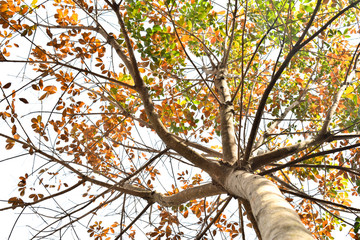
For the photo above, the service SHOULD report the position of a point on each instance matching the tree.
(183, 119)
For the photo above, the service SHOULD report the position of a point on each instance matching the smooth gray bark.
(275, 217)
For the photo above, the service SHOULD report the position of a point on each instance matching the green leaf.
(113, 90)
(357, 225)
(156, 28)
(308, 9)
(189, 23)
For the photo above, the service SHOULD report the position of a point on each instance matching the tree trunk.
(275, 217)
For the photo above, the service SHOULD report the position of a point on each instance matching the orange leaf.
(50, 89)
(13, 130)
(307, 70)
(9, 146)
(4, 7)
(186, 213)
(44, 96)
(24, 10)
(299, 80)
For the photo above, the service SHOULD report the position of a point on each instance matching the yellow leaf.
(74, 16)
(33, 3)
(141, 70)
(185, 38)
(349, 90)
(348, 93)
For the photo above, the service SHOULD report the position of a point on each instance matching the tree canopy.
(182, 119)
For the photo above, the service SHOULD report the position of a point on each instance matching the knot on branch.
(110, 39)
(229, 103)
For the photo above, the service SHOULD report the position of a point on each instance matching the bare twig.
(200, 235)
(133, 221)
(309, 156)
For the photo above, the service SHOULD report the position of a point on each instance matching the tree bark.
(226, 118)
(274, 215)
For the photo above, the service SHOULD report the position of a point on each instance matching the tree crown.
(149, 106)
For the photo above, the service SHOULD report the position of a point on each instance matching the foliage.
(112, 99)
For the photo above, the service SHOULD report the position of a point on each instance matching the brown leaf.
(13, 130)
(24, 100)
(6, 86)
(49, 33)
(9, 146)
(35, 87)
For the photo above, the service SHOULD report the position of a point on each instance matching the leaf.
(35, 87)
(48, 32)
(357, 225)
(33, 3)
(41, 84)
(14, 201)
(348, 93)
(24, 10)
(74, 17)
(9, 146)
(299, 80)
(168, 230)
(189, 23)
(308, 9)
(13, 130)
(45, 95)
(6, 86)
(156, 28)
(50, 89)
(24, 100)
(349, 90)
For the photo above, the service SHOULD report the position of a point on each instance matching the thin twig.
(200, 235)
(133, 221)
